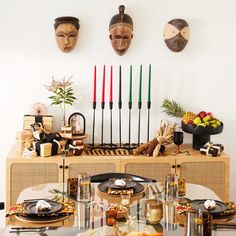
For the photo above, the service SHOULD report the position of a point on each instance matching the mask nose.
(121, 44)
(67, 41)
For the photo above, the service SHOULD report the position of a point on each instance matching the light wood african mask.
(121, 31)
(176, 34)
(66, 32)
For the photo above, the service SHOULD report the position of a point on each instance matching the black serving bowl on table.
(201, 134)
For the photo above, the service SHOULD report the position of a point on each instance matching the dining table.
(89, 217)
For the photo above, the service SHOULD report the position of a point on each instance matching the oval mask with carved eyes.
(176, 34)
(66, 30)
(121, 31)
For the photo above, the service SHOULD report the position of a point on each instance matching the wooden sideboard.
(212, 172)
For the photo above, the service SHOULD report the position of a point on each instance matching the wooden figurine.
(121, 31)
(66, 31)
(176, 34)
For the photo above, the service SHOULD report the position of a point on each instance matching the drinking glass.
(181, 187)
(125, 199)
(153, 211)
(84, 187)
(171, 187)
(170, 216)
(194, 224)
(178, 140)
(207, 224)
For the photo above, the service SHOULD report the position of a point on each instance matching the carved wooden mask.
(176, 34)
(66, 31)
(121, 31)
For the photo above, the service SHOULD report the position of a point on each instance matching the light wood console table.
(212, 172)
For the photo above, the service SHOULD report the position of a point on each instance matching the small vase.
(66, 131)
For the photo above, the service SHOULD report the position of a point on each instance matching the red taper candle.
(95, 84)
(103, 85)
(111, 85)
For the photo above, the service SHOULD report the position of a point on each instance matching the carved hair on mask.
(66, 32)
(121, 31)
(176, 34)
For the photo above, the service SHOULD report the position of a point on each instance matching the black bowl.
(201, 135)
(202, 130)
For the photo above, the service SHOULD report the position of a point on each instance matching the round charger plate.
(103, 187)
(41, 220)
(31, 208)
(128, 184)
(199, 205)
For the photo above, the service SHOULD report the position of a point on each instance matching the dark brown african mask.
(66, 30)
(176, 34)
(121, 31)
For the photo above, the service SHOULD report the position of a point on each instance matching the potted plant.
(62, 95)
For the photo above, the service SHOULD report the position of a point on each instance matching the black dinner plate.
(31, 208)
(199, 205)
(41, 219)
(104, 186)
(128, 184)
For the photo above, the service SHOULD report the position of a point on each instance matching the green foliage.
(62, 93)
(172, 108)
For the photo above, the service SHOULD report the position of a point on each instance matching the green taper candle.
(140, 85)
(130, 84)
(149, 84)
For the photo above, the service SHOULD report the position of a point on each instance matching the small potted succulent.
(62, 95)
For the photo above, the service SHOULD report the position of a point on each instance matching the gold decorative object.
(39, 109)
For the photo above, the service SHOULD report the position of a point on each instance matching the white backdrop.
(202, 77)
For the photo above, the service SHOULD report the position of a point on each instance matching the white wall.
(202, 77)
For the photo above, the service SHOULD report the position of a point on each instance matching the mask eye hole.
(126, 37)
(72, 35)
(117, 37)
(60, 35)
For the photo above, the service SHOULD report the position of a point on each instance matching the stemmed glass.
(178, 140)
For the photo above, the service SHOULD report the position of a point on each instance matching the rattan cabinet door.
(209, 174)
(23, 175)
(93, 168)
(156, 171)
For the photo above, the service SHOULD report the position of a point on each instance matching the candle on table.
(140, 85)
(103, 85)
(120, 84)
(130, 85)
(95, 84)
(111, 85)
(149, 84)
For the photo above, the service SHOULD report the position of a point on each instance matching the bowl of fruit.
(201, 125)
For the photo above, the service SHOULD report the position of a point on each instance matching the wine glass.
(178, 140)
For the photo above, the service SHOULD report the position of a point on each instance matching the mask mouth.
(67, 49)
(121, 51)
(176, 44)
